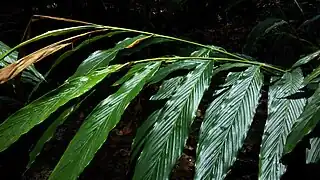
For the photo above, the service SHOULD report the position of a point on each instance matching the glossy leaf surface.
(282, 114)
(96, 127)
(226, 124)
(168, 137)
(306, 122)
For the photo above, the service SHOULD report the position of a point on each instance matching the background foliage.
(284, 33)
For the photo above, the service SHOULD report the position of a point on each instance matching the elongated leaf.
(313, 154)
(56, 32)
(226, 123)
(165, 71)
(135, 69)
(97, 126)
(306, 122)
(81, 45)
(12, 70)
(168, 137)
(168, 88)
(69, 53)
(229, 66)
(30, 75)
(101, 59)
(143, 132)
(282, 113)
(312, 76)
(306, 59)
(182, 65)
(48, 134)
(37, 111)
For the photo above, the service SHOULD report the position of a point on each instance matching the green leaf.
(37, 111)
(48, 134)
(95, 129)
(52, 33)
(31, 75)
(101, 59)
(282, 113)
(306, 122)
(168, 137)
(81, 45)
(168, 88)
(226, 124)
(229, 66)
(313, 154)
(306, 59)
(143, 132)
(135, 69)
(165, 71)
(70, 52)
(182, 65)
(312, 76)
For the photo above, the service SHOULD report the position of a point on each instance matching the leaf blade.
(30, 75)
(306, 122)
(48, 134)
(226, 123)
(282, 113)
(94, 131)
(306, 59)
(40, 109)
(168, 88)
(313, 154)
(166, 141)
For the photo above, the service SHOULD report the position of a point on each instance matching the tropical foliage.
(184, 76)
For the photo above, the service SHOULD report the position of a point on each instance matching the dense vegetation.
(184, 95)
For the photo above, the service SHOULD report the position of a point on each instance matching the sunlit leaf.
(313, 154)
(37, 111)
(306, 122)
(168, 137)
(182, 65)
(165, 71)
(306, 59)
(168, 88)
(96, 127)
(70, 52)
(312, 76)
(102, 58)
(135, 69)
(282, 113)
(226, 124)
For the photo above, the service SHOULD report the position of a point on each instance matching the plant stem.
(210, 59)
(142, 32)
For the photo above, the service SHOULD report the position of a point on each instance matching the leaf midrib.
(175, 123)
(222, 144)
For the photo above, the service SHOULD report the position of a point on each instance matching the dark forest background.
(224, 23)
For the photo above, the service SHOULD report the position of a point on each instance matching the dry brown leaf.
(12, 70)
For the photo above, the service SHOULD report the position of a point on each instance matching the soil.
(113, 160)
